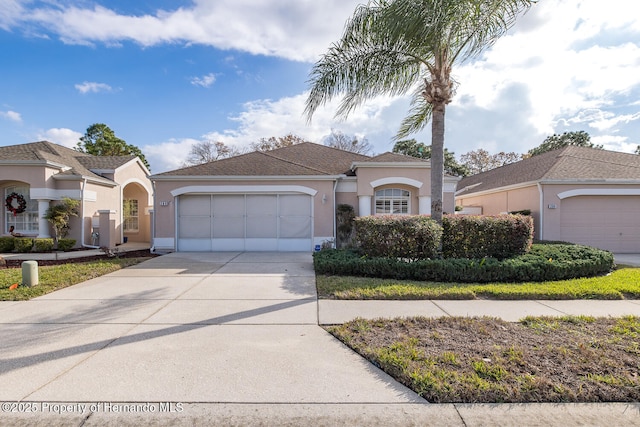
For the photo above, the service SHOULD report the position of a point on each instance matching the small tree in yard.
(59, 216)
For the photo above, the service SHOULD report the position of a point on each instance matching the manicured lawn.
(620, 284)
(52, 278)
(486, 360)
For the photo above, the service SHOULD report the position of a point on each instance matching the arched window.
(392, 201)
(25, 222)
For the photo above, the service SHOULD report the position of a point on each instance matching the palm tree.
(391, 47)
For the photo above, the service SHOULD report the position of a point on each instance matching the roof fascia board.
(246, 177)
(497, 189)
(35, 163)
(420, 165)
(590, 181)
(82, 178)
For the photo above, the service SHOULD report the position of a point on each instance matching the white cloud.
(93, 87)
(11, 115)
(294, 29)
(168, 155)
(267, 118)
(67, 137)
(204, 81)
(575, 57)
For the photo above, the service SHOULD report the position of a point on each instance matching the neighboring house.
(575, 194)
(284, 199)
(114, 192)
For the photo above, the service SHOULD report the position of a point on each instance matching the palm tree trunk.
(437, 160)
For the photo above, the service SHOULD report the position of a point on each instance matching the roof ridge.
(266, 153)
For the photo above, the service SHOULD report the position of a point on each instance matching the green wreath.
(19, 198)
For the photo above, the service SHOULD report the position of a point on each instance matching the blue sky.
(166, 74)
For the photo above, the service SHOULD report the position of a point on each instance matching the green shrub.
(66, 244)
(398, 236)
(42, 245)
(542, 263)
(6, 244)
(479, 236)
(22, 244)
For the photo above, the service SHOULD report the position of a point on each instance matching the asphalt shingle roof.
(79, 163)
(302, 159)
(566, 164)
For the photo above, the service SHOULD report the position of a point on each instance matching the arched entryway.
(136, 217)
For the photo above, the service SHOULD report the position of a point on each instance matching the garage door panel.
(193, 227)
(194, 205)
(295, 227)
(228, 204)
(295, 205)
(228, 227)
(262, 204)
(223, 245)
(259, 222)
(606, 222)
(195, 245)
(262, 226)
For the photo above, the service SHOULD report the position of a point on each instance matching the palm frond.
(418, 116)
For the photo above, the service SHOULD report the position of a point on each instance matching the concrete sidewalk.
(227, 339)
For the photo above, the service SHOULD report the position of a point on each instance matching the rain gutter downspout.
(153, 219)
(540, 226)
(82, 234)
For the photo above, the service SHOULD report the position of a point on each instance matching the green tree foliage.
(555, 142)
(268, 144)
(391, 47)
(481, 161)
(413, 148)
(100, 140)
(342, 141)
(60, 214)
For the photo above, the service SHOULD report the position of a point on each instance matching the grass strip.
(620, 284)
(52, 278)
(487, 360)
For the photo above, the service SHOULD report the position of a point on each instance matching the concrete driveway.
(222, 328)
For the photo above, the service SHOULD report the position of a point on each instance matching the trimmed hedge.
(66, 244)
(43, 245)
(22, 244)
(542, 263)
(398, 236)
(479, 236)
(6, 244)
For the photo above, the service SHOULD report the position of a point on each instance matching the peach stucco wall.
(507, 201)
(552, 216)
(323, 211)
(97, 196)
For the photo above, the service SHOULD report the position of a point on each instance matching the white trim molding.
(53, 194)
(599, 192)
(164, 243)
(145, 185)
(396, 180)
(208, 189)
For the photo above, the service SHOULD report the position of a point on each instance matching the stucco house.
(115, 193)
(284, 199)
(575, 194)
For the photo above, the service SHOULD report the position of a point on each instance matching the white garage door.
(606, 222)
(244, 222)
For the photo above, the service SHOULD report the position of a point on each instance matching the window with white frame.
(392, 201)
(27, 221)
(130, 215)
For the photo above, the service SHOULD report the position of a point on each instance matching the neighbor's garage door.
(244, 222)
(606, 222)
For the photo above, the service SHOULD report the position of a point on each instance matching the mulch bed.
(15, 263)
